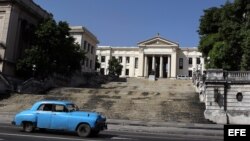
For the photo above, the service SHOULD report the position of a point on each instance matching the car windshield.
(72, 107)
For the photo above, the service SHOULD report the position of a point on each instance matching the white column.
(153, 63)
(173, 64)
(140, 63)
(145, 66)
(169, 69)
(161, 67)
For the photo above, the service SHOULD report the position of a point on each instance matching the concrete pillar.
(145, 66)
(153, 63)
(169, 69)
(161, 67)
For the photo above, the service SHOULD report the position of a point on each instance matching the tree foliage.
(224, 36)
(115, 68)
(53, 51)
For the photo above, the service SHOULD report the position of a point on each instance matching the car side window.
(40, 107)
(45, 107)
(59, 108)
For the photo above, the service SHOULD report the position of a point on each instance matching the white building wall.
(132, 66)
(173, 64)
(123, 53)
(187, 53)
(78, 39)
(88, 43)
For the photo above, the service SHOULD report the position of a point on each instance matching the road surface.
(12, 133)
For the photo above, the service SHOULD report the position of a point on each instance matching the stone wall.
(227, 96)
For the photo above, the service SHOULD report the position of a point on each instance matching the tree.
(224, 36)
(115, 68)
(52, 51)
(97, 64)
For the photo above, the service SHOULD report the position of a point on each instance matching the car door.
(59, 118)
(44, 116)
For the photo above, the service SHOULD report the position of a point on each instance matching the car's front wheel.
(28, 127)
(83, 130)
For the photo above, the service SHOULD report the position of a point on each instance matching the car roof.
(54, 102)
(38, 103)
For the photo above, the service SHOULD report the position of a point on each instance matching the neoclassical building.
(88, 43)
(157, 55)
(18, 18)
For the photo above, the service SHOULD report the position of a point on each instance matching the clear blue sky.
(127, 22)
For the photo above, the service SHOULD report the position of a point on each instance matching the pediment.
(157, 41)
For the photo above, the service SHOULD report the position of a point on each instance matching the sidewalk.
(214, 130)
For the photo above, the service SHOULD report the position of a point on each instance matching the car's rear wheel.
(28, 127)
(83, 130)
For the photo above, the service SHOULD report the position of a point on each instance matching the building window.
(127, 59)
(190, 73)
(91, 49)
(180, 63)
(127, 72)
(87, 62)
(136, 62)
(198, 60)
(102, 58)
(85, 45)
(90, 64)
(102, 71)
(190, 61)
(88, 47)
(120, 59)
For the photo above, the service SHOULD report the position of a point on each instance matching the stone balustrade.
(226, 95)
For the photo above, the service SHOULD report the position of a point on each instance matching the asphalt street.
(12, 133)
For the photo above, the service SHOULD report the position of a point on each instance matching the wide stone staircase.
(131, 99)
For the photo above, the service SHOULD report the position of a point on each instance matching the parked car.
(60, 115)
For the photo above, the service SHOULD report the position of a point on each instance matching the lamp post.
(33, 69)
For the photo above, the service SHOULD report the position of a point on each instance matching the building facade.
(18, 19)
(157, 56)
(88, 43)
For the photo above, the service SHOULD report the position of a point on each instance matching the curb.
(166, 124)
(167, 130)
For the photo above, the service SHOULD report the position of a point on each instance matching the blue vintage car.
(60, 115)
